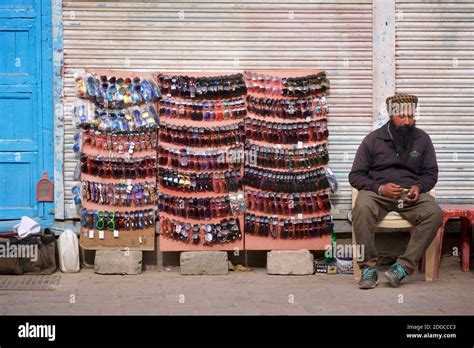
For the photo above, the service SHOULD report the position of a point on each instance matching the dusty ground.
(253, 293)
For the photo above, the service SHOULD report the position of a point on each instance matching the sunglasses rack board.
(133, 225)
(194, 129)
(279, 120)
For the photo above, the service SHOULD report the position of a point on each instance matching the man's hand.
(391, 190)
(414, 193)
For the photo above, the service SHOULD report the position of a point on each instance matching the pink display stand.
(254, 242)
(139, 239)
(168, 244)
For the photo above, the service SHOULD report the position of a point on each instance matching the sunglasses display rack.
(200, 161)
(287, 192)
(118, 159)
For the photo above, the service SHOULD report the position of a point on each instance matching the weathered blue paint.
(58, 64)
(26, 122)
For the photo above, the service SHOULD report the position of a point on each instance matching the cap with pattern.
(400, 101)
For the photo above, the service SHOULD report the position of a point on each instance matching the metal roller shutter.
(202, 35)
(434, 60)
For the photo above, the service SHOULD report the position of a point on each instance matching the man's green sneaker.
(395, 274)
(369, 278)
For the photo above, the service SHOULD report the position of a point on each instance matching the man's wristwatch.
(380, 188)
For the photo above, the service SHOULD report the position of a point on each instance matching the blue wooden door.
(26, 116)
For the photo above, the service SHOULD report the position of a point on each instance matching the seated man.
(394, 168)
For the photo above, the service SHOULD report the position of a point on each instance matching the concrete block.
(290, 262)
(204, 262)
(118, 262)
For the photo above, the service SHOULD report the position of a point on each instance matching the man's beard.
(403, 137)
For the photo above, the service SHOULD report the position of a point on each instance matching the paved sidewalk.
(253, 293)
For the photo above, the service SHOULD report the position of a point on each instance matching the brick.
(118, 262)
(204, 262)
(290, 262)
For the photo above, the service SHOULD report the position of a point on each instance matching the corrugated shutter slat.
(335, 36)
(434, 51)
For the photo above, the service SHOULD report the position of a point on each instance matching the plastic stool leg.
(465, 244)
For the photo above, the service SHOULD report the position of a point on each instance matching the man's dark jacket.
(377, 163)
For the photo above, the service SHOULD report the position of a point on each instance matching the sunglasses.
(201, 160)
(124, 195)
(141, 118)
(203, 110)
(305, 85)
(75, 191)
(225, 231)
(83, 114)
(118, 168)
(202, 87)
(268, 180)
(195, 208)
(112, 92)
(286, 133)
(77, 143)
(283, 228)
(121, 142)
(217, 182)
(262, 83)
(202, 136)
(112, 221)
(304, 158)
(287, 204)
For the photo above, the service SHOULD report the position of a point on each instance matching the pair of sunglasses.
(195, 208)
(75, 191)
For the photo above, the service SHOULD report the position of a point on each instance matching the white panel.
(435, 61)
(335, 36)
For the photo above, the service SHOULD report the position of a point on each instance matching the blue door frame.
(26, 110)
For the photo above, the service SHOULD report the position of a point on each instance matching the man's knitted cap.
(400, 103)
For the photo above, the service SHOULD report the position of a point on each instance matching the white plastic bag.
(68, 248)
(26, 227)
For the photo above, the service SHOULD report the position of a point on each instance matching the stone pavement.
(252, 293)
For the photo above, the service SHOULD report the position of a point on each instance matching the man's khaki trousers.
(370, 208)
